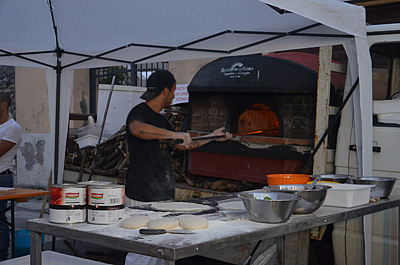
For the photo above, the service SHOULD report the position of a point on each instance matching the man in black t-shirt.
(149, 134)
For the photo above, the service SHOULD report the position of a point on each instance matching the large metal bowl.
(311, 200)
(383, 185)
(334, 178)
(277, 209)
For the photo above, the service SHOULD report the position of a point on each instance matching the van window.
(380, 76)
(385, 70)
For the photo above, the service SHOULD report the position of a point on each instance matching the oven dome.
(254, 73)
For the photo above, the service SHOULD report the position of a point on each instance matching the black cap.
(156, 83)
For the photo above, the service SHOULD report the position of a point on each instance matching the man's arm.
(5, 146)
(198, 143)
(149, 132)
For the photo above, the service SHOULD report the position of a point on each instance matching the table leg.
(367, 232)
(296, 248)
(12, 229)
(398, 235)
(36, 248)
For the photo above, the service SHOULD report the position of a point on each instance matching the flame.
(247, 133)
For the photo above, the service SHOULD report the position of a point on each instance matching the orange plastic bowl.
(284, 179)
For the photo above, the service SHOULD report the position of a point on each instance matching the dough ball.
(163, 223)
(136, 221)
(179, 206)
(193, 222)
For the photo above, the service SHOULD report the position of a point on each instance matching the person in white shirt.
(10, 140)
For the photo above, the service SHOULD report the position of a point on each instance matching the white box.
(88, 140)
(53, 258)
(347, 195)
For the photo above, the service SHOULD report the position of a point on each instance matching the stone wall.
(7, 84)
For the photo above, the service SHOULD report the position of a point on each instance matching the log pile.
(110, 158)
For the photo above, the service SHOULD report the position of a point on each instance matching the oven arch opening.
(258, 117)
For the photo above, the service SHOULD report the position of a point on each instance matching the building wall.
(80, 95)
(184, 71)
(35, 156)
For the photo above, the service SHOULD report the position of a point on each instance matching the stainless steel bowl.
(311, 200)
(334, 178)
(383, 185)
(277, 209)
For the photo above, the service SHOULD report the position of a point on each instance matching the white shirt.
(12, 132)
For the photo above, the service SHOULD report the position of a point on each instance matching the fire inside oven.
(258, 119)
(272, 99)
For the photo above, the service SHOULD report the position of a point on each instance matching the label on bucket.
(68, 195)
(107, 196)
(67, 216)
(105, 216)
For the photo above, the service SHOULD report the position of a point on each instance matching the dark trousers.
(5, 181)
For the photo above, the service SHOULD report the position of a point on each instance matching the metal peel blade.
(164, 231)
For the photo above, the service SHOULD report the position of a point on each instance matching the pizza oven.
(270, 101)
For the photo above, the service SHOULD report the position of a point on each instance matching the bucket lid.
(68, 186)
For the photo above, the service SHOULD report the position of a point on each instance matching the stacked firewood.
(109, 158)
(176, 117)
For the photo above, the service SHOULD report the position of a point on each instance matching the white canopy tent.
(65, 35)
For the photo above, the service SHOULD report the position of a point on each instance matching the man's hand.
(185, 137)
(220, 131)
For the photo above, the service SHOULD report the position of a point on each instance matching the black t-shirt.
(149, 176)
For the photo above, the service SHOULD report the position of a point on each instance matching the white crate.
(347, 195)
(53, 258)
(88, 140)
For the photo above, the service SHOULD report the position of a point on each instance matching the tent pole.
(58, 69)
(57, 116)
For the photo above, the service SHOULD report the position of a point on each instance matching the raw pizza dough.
(135, 222)
(179, 206)
(163, 223)
(193, 222)
(233, 205)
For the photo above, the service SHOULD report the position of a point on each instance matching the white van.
(347, 237)
(384, 42)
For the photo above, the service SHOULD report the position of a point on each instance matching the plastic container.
(285, 179)
(88, 140)
(54, 258)
(347, 195)
(22, 242)
(92, 129)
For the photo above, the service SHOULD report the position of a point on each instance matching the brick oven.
(273, 96)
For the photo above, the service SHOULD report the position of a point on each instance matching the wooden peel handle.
(207, 137)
